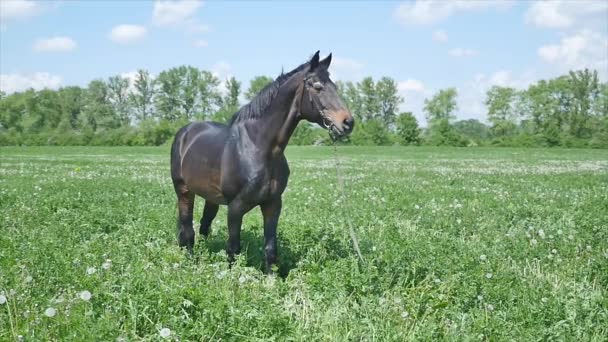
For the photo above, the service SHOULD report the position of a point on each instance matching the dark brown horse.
(242, 165)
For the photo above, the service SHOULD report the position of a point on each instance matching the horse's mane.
(259, 104)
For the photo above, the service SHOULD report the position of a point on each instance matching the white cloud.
(55, 44)
(565, 14)
(440, 36)
(17, 9)
(426, 12)
(174, 13)
(584, 49)
(462, 52)
(200, 43)
(411, 85)
(346, 69)
(11, 83)
(126, 34)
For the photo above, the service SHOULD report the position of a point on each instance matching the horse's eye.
(317, 85)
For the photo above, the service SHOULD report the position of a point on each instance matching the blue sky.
(424, 45)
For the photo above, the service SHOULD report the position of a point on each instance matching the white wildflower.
(165, 332)
(483, 257)
(533, 242)
(50, 312)
(107, 264)
(85, 295)
(91, 270)
(405, 314)
(2, 299)
(489, 275)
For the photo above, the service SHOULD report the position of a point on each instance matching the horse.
(242, 164)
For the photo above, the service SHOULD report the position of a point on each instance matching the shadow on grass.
(252, 245)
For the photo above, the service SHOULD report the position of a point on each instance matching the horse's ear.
(314, 62)
(326, 62)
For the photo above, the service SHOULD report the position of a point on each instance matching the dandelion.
(50, 312)
(544, 299)
(91, 270)
(489, 275)
(490, 307)
(405, 314)
(417, 206)
(541, 233)
(588, 247)
(107, 264)
(554, 251)
(559, 232)
(2, 299)
(242, 279)
(483, 257)
(165, 332)
(28, 279)
(533, 242)
(85, 295)
(459, 221)
(570, 237)
(480, 298)
(437, 280)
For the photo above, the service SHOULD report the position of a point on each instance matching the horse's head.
(321, 102)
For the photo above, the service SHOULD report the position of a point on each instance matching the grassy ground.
(459, 244)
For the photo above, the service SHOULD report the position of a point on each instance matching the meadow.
(457, 244)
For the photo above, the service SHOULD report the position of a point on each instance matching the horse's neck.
(282, 119)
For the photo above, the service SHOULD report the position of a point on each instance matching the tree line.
(570, 110)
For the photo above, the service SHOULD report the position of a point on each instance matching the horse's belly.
(202, 179)
(207, 185)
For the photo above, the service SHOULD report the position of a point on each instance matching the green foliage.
(407, 129)
(568, 111)
(441, 106)
(256, 85)
(370, 132)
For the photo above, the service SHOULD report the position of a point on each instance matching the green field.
(458, 244)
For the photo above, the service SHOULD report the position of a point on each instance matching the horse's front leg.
(236, 209)
(271, 212)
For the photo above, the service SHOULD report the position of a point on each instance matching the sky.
(424, 46)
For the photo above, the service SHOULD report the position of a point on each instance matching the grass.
(459, 244)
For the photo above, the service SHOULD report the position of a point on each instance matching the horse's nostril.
(349, 123)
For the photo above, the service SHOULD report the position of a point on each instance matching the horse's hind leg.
(209, 213)
(185, 207)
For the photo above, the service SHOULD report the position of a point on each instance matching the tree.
(256, 85)
(585, 88)
(71, 101)
(167, 90)
(441, 106)
(234, 90)
(389, 101)
(118, 96)
(210, 97)
(472, 129)
(350, 94)
(98, 112)
(407, 129)
(501, 104)
(230, 103)
(143, 95)
(370, 106)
